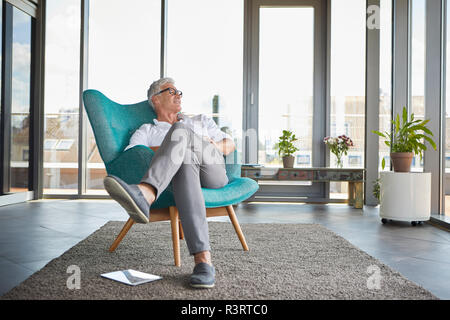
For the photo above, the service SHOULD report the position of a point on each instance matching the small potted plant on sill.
(406, 140)
(286, 148)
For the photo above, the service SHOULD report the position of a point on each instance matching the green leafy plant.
(408, 135)
(285, 145)
(376, 189)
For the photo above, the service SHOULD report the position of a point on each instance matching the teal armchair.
(113, 125)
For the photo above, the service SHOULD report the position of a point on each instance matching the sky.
(124, 48)
(418, 48)
(62, 56)
(21, 58)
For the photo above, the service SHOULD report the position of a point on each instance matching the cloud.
(21, 61)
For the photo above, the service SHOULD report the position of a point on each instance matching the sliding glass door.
(16, 105)
(19, 164)
(286, 85)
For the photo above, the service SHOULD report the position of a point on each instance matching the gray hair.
(156, 87)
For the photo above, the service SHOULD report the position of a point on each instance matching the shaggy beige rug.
(285, 261)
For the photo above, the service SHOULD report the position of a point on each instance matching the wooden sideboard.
(354, 177)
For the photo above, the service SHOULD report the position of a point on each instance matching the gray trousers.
(190, 163)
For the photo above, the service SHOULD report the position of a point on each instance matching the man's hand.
(226, 146)
(215, 144)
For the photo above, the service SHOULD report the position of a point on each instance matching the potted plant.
(406, 141)
(286, 148)
(339, 147)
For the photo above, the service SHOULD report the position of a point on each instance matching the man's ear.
(156, 104)
(154, 101)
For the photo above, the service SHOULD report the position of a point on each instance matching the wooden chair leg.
(122, 234)
(174, 223)
(181, 230)
(237, 227)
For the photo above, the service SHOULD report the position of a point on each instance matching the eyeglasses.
(172, 91)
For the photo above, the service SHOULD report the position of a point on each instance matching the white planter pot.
(405, 196)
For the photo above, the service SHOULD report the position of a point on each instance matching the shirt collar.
(161, 123)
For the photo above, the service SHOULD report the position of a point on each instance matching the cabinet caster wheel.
(384, 221)
(413, 223)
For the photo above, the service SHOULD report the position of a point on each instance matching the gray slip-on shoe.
(203, 276)
(130, 197)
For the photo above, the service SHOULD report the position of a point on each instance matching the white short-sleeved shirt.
(152, 135)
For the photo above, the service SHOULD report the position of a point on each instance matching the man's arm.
(226, 145)
(139, 137)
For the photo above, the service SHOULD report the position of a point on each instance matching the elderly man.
(191, 157)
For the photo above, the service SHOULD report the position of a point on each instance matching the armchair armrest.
(233, 166)
(132, 164)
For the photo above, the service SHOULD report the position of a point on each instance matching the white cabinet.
(405, 196)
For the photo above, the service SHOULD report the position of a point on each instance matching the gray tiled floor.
(34, 233)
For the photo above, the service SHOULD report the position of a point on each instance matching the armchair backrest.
(113, 123)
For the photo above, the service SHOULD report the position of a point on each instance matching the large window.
(348, 52)
(447, 115)
(124, 59)
(61, 98)
(205, 58)
(385, 78)
(286, 78)
(20, 102)
(417, 88)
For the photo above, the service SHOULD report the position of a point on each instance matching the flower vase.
(339, 162)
